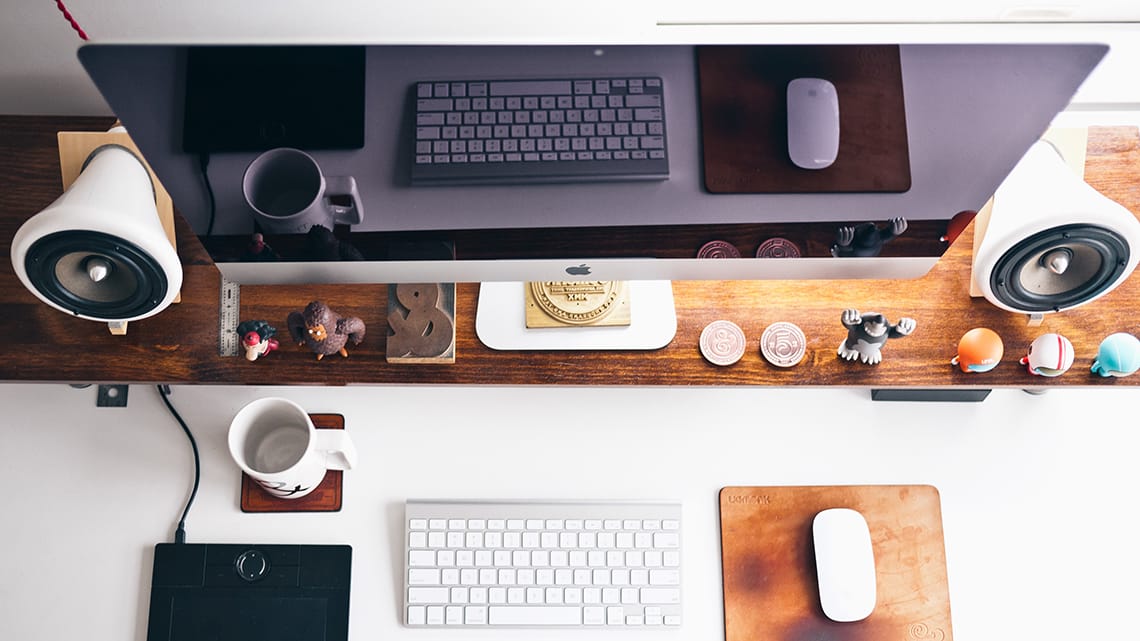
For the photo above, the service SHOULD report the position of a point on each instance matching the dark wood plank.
(180, 344)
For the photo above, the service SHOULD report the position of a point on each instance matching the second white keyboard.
(511, 564)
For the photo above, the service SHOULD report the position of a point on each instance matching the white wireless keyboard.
(512, 564)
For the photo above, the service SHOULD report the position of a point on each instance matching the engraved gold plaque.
(577, 303)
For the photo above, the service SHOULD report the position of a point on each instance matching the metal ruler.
(228, 310)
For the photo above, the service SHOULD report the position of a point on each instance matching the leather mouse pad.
(770, 586)
(743, 100)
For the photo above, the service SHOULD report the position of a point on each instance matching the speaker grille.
(58, 267)
(1086, 261)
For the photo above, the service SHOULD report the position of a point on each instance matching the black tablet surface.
(223, 592)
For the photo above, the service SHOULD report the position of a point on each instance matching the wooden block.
(421, 323)
(577, 304)
(770, 585)
(326, 497)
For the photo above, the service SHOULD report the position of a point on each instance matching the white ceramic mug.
(273, 440)
(289, 193)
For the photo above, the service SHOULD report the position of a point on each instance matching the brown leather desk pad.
(770, 587)
(743, 103)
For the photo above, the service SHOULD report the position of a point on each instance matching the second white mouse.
(813, 123)
(845, 564)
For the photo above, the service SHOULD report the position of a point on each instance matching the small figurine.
(866, 334)
(1118, 355)
(258, 249)
(979, 350)
(321, 244)
(867, 239)
(324, 331)
(1049, 355)
(257, 338)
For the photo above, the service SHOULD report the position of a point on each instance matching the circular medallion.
(576, 302)
(718, 249)
(722, 342)
(783, 344)
(778, 248)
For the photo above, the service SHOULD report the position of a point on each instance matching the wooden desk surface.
(180, 344)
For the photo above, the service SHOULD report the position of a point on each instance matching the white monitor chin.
(469, 271)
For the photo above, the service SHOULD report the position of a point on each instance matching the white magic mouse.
(813, 123)
(845, 564)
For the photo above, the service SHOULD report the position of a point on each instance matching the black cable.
(203, 166)
(180, 533)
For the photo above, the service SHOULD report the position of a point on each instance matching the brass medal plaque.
(577, 303)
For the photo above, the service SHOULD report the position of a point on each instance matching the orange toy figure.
(324, 331)
(979, 350)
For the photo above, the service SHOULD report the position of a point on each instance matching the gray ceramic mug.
(289, 194)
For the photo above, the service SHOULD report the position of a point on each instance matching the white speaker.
(1052, 241)
(100, 251)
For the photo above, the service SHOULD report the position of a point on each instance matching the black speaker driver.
(96, 275)
(1059, 268)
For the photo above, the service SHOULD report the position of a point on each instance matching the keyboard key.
(660, 595)
(417, 615)
(418, 595)
(554, 615)
(424, 576)
(474, 615)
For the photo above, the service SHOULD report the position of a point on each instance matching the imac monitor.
(964, 115)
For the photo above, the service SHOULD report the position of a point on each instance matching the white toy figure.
(1049, 355)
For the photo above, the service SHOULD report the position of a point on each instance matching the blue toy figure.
(1118, 355)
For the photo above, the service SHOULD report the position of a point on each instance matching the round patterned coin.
(783, 344)
(722, 342)
(778, 248)
(718, 249)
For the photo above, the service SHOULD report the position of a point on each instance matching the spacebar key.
(534, 615)
(530, 88)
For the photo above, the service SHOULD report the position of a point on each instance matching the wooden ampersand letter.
(426, 330)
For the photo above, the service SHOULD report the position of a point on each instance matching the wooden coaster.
(770, 585)
(325, 498)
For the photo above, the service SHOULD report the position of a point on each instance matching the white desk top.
(1037, 491)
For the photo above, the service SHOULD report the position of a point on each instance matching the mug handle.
(338, 186)
(338, 448)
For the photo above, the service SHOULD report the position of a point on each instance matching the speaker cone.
(95, 274)
(1059, 268)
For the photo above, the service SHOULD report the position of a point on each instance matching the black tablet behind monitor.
(252, 98)
(224, 592)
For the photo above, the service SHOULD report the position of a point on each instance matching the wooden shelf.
(180, 344)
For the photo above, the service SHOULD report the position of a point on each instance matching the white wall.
(39, 73)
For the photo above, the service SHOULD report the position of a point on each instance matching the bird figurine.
(257, 338)
(321, 244)
(324, 331)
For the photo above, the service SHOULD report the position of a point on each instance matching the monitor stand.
(500, 321)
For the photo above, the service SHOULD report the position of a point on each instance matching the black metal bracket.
(111, 396)
(948, 395)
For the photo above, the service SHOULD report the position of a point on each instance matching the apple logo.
(579, 270)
